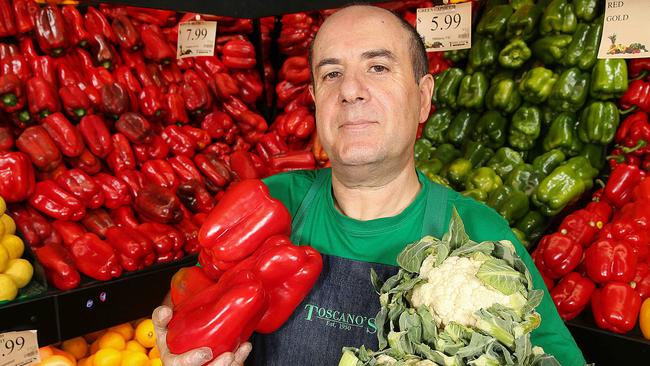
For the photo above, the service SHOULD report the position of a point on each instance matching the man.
(371, 89)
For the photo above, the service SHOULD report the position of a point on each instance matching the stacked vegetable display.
(524, 125)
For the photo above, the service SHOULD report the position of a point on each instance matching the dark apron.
(340, 310)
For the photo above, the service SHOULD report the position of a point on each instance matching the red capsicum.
(185, 169)
(622, 180)
(36, 143)
(75, 101)
(607, 261)
(134, 250)
(637, 95)
(158, 204)
(50, 30)
(295, 70)
(87, 162)
(196, 93)
(165, 238)
(171, 73)
(195, 197)
(134, 179)
(250, 85)
(174, 109)
(154, 16)
(221, 316)
(638, 67)
(16, 176)
(12, 61)
(641, 281)
(557, 255)
(190, 232)
(287, 91)
(56, 202)
(12, 93)
(271, 145)
(135, 128)
(104, 53)
(121, 156)
(115, 100)
(35, 229)
(616, 307)
(65, 136)
(178, 141)
(634, 134)
(25, 12)
(156, 149)
(244, 217)
(155, 44)
(207, 66)
(160, 173)
(239, 54)
(223, 85)
(127, 79)
(6, 139)
(59, 266)
(82, 186)
(132, 60)
(98, 222)
(572, 294)
(95, 258)
(582, 226)
(42, 98)
(292, 160)
(208, 264)
(74, 24)
(216, 124)
(96, 135)
(97, 24)
(124, 216)
(200, 136)
(188, 282)
(298, 123)
(127, 35)
(151, 101)
(214, 169)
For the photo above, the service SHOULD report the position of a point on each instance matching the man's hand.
(196, 357)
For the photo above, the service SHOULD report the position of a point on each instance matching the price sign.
(445, 27)
(196, 38)
(19, 348)
(623, 35)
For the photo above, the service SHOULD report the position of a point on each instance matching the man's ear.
(426, 91)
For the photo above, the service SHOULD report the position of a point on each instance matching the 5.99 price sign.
(19, 348)
(196, 39)
(445, 27)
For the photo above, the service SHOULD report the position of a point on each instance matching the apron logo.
(339, 319)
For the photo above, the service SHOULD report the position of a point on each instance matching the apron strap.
(299, 219)
(435, 210)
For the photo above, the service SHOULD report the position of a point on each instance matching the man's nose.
(353, 89)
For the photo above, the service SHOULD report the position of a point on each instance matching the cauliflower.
(452, 291)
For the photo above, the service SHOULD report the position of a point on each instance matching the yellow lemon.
(156, 362)
(130, 358)
(4, 258)
(14, 245)
(107, 357)
(21, 271)
(91, 337)
(57, 360)
(9, 224)
(94, 347)
(76, 347)
(90, 361)
(84, 362)
(112, 340)
(145, 334)
(3, 206)
(154, 353)
(126, 330)
(134, 346)
(8, 289)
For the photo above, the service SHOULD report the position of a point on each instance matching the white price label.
(446, 27)
(623, 35)
(196, 38)
(19, 348)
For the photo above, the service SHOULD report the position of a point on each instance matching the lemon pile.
(15, 272)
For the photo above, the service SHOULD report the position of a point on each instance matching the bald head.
(386, 21)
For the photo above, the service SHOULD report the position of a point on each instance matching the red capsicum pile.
(252, 277)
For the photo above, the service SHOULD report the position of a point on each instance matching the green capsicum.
(525, 127)
(477, 153)
(551, 49)
(589, 54)
(491, 129)
(429, 167)
(494, 21)
(471, 93)
(518, 4)
(484, 179)
(456, 56)
(548, 161)
(524, 178)
(435, 178)
(577, 45)
(586, 10)
(457, 171)
(570, 91)
(515, 54)
(562, 135)
(446, 153)
(446, 87)
(422, 149)
(504, 161)
(503, 95)
(548, 114)
(521, 237)
(482, 55)
(476, 194)
(533, 225)
(608, 79)
(461, 126)
(598, 123)
(558, 17)
(537, 84)
(523, 22)
(595, 154)
(510, 203)
(564, 185)
(437, 124)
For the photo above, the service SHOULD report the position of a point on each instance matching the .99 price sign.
(196, 38)
(19, 348)
(445, 27)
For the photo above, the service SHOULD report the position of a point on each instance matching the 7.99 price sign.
(196, 39)
(445, 27)
(19, 348)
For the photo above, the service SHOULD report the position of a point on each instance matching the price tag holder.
(196, 38)
(19, 348)
(623, 29)
(446, 27)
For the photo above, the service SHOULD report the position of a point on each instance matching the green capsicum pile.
(523, 119)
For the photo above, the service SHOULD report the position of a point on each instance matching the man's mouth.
(359, 124)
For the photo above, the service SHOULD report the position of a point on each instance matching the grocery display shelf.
(61, 315)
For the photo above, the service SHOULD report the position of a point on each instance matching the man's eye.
(378, 68)
(331, 75)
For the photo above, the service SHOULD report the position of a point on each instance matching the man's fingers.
(195, 357)
(225, 359)
(161, 316)
(242, 353)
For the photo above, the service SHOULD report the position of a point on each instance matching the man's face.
(368, 103)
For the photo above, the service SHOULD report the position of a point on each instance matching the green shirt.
(380, 240)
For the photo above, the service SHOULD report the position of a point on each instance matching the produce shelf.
(61, 315)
